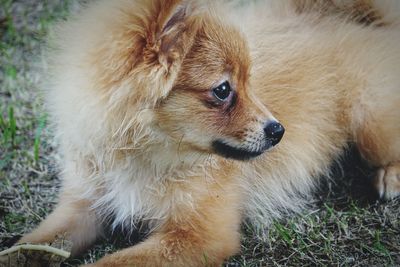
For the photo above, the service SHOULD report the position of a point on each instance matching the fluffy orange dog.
(165, 110)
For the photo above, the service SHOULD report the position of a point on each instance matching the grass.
(344, 225)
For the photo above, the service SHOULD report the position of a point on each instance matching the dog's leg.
(378, 139)
(71, 220)
(387, 181)
(203, 235)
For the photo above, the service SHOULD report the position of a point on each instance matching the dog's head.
(194, 70)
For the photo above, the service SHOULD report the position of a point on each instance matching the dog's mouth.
(228, 151)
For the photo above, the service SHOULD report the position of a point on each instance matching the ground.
(343, 226)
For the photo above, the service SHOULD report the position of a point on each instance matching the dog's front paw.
(387, 181)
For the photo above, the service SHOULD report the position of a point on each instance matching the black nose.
(274, 132)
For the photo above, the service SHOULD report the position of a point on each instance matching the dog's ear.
(171, 33)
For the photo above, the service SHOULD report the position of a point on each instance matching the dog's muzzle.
(273, 133)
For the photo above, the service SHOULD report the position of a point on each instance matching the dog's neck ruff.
(142, 188)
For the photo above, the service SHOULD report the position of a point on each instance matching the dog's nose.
(274, 132)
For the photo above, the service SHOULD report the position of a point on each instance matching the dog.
(189, 116)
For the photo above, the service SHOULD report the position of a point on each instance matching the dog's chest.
(132, 194)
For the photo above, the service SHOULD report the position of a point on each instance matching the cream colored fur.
(328, 79)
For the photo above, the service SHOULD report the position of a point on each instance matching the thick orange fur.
(131, 96)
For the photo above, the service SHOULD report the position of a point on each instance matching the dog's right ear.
(169, 29)
(170, 34)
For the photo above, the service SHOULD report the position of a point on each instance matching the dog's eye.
(222, 91)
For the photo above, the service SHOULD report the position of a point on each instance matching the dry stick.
(49, 249)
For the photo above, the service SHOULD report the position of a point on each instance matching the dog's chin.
(227, 151)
